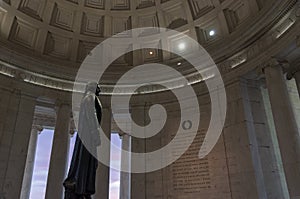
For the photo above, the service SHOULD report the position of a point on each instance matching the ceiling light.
(179, 64)
(151, 53)
(181, 46)
(212, 33)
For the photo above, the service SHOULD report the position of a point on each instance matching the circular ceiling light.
(181, 46)
(151, 52)
(212, 33)
(179, 64)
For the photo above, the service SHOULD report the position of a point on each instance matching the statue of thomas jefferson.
(80, 182)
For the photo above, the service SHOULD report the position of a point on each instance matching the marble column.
(240, 145)
(294, 69)
(125, 177)
(15, 141)
(294, 72)
(285, 125)
(297, 78)
(138, 145)
(102, 176)
(59, 154)
(27, 179)
(266, 141)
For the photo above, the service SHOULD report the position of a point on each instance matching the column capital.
(37, 128)
(274, 62)
(72, 132)
(293, 69)
(122, 134)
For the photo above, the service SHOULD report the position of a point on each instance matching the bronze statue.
(80, 182)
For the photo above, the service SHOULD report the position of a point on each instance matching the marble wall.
(245, 162)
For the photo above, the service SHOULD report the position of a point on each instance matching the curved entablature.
(67, 85)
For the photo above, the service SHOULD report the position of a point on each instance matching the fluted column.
(14, 141)
(59, 154)
(138, 145)
(245, 174)
(102, 176)
(285, 125)
(125, 176)
(27, 179)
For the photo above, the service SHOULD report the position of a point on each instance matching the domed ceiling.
(69, 29)
(65, 31)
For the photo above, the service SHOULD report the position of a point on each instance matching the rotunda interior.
(203, 96)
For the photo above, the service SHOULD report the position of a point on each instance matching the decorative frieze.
(34, 78)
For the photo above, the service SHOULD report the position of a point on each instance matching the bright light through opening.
(212, 33)
(115, 175)
(41, 164)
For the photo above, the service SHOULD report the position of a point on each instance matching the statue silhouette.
(80, 182)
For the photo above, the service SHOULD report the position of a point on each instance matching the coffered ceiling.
(65, 31)
(69, 29)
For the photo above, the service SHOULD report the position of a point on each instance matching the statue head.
(93, 87)
(98, 90)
